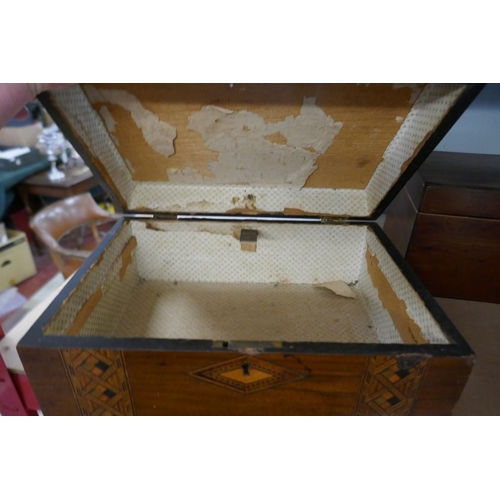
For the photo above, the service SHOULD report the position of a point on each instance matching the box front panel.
(236, 384)
(112, 382)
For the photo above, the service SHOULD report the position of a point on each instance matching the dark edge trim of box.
(462, 103)
(35, 337)
(54, 113)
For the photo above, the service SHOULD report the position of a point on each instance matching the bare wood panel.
(442, 386)
(166, 383)
(457, 257)
(468, 202)
(83, 314)
(49, 381)
(371, 116)
(408, 330)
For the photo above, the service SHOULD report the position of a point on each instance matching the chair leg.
(80, 239)
(58, 261)
(95, 231)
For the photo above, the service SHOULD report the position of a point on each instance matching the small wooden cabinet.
(455, 244)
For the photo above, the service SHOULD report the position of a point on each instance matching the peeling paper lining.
(110, 123)
(247, 153)
(409, 330)
(338, 288)
(158, 134)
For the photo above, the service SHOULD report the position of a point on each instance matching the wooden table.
(79, 179)
(13, 173)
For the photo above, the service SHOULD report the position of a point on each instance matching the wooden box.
(248, 275)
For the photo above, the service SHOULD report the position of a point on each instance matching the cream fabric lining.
(244, 311)
(87, 124)
(191, 280)
(430, 108)
(104, 275)
(414, 304)
(211, 252)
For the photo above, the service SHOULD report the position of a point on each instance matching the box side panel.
(114, 296)
(431, 107)
(93, 289)
(88, 129)
(443, 385)
(49, 380)
(407, 311)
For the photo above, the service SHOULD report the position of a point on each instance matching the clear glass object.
(51, 142)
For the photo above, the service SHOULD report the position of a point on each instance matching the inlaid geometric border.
(391, 385)
(99, 381)
(247, 374)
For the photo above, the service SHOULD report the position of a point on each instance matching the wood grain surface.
(468, 202)
(49, 380)
(457, 257)
(371, 116)
(113, 382)
(442, 386)
(165, 387)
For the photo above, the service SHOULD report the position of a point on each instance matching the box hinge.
(333, 220)
(142, 216)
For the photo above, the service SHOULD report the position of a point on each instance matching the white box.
(16, 260)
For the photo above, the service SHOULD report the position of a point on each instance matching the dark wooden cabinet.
(455, 244)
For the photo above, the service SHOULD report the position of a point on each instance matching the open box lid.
(342, 150)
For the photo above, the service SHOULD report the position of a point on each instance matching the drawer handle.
(6, 263)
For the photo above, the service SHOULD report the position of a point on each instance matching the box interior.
(308, 149)
(192, 280)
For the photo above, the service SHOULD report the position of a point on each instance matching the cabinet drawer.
(468, 202)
